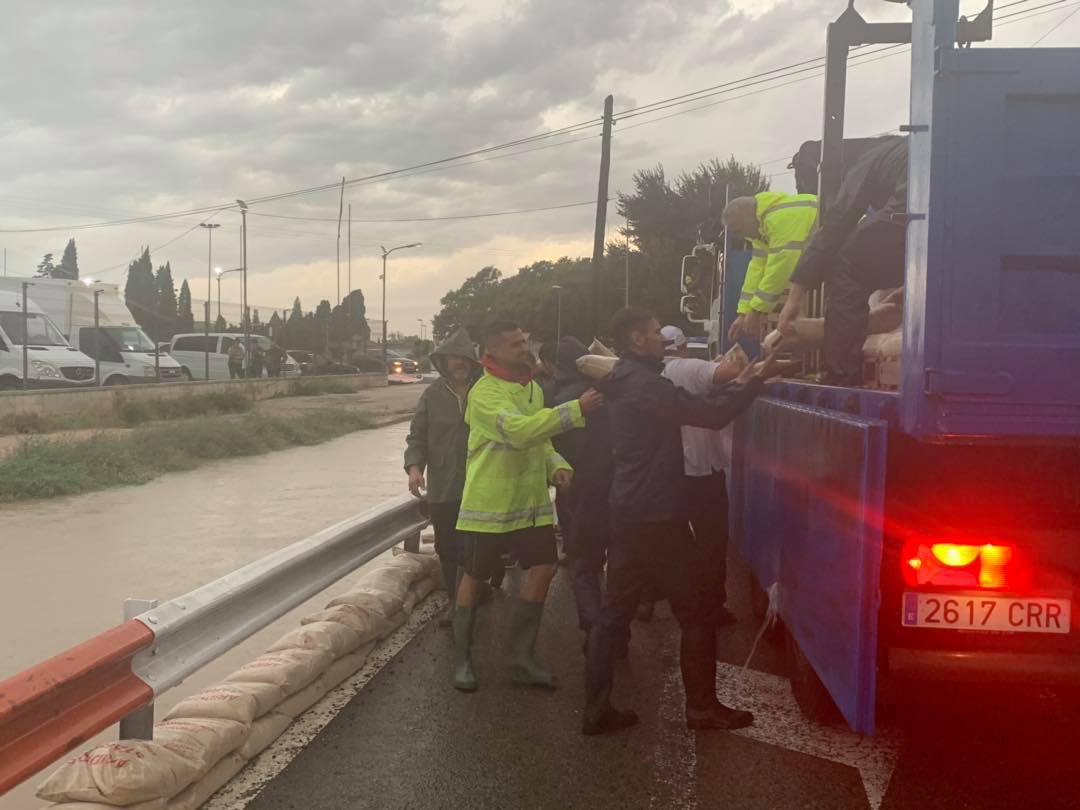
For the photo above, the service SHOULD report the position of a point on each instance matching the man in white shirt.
(706, 456)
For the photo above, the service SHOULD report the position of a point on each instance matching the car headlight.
(43, 368)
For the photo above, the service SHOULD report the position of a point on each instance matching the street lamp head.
(89, 282)
(218, 271)
(556, 286)
(242, 204)
(210, 225)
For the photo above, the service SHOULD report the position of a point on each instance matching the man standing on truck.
(778, 226)
(651, 543)
(436, 446)
(706, 456)
(855, 253)
(505, 505)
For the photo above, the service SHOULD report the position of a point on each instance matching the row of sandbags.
(209, 737)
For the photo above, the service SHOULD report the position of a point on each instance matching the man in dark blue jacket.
(651, 543)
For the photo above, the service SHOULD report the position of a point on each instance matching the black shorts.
(532, 546)
(448, 540)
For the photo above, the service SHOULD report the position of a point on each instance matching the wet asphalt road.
(408, 740)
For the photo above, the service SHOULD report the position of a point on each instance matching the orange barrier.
(51, 708)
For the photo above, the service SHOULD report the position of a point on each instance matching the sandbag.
(393, 623)
(297, 704)
(596, 366)
(410, 563)
(121, 773)
(227, 701)
(292, 670)
(734, 361)
(197, 795)
(409, 604)
(346, 667)
(394, 581)
(373, 599)
(202, 740)
(153, 804)
(809, 334)
(424, 587)
(598, 348)
(336, 639)
(365, 623)
(429, 563)
(263, 732)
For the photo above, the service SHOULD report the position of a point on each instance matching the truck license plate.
(1000, 613)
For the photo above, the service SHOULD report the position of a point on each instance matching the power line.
(1056, 27)
(442, 219)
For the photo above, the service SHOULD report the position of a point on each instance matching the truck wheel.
(814, 700)
(187, 375)
(9, 384)
(118, 380)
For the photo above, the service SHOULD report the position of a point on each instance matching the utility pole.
(5, 262)
(626, 300)
(601, 213)
(350, 252)
(26, 335)
(341, 204)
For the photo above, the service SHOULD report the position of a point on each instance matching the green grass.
(31, 423)
(131, 412)
(318, 386)
(44, 468)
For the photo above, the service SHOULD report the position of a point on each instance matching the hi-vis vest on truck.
(786, 221)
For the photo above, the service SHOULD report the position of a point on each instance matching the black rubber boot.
(524, 628)
(600, 717)
(464, 677)
(697, 659)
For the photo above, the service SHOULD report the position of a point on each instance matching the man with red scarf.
(505, 505)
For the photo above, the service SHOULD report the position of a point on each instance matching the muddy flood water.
(68, 564)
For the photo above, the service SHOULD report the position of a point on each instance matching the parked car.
(190, 351)
(311, 363)
(51, 362)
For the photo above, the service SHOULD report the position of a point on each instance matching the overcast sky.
(119, 108)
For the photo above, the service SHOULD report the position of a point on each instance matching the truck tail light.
(961, 565)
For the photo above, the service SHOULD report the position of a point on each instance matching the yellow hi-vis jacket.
(511, 459)
(786, 221)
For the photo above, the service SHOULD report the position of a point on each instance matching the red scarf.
(522, 378)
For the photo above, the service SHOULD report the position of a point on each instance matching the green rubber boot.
(464, 677)
(524, 628)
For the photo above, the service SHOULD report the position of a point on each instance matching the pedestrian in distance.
(651, 542)
(435, 451)
(236, 360)
(275, 360)
(706, 457)
(258, 360)
(505, 504)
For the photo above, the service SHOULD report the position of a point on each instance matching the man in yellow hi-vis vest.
(778, 226)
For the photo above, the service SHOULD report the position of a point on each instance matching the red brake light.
(986, 565)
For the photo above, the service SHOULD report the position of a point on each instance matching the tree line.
(664, 218)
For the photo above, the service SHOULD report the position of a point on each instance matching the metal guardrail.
(51, 708)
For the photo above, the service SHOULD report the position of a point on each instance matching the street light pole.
(206, 320)
(244, 266)
(97, 337)
(386, 253)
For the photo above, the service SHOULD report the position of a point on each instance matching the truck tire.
(187, 374)
(119, 379)
(10, 384)
(810, 693)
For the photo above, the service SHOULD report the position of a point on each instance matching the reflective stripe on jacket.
(786, 222)
(511, 459)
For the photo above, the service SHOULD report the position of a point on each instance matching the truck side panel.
(807, 494)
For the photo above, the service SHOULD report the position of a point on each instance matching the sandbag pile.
(210, 736)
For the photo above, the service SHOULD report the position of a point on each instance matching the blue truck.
(933, 531)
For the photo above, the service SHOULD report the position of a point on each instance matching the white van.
(124, 350)
(50, 361)
(190, 352)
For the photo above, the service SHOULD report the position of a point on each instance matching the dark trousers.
(661, 556)
(236, 370)
(709, 520)
(871, 259)
(448, 540)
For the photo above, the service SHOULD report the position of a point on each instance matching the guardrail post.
(139, 725)
(412, 544)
